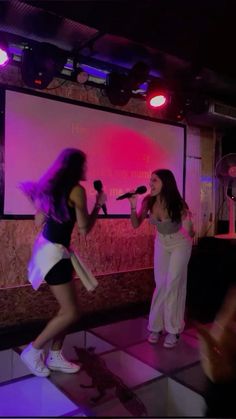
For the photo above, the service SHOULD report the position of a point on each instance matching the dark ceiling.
(189, 43)
(202, 31)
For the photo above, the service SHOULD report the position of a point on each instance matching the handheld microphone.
(140, 190)
(97, 184)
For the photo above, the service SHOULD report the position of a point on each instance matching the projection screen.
(122, 149)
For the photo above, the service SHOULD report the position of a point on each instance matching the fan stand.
(231, 211)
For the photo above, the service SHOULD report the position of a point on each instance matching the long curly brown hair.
(170, 195)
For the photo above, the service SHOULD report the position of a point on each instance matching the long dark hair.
(50, 194)
(169, 195)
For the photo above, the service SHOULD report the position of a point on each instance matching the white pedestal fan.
(226, 173)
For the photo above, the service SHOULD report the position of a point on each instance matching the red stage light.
(157, 94)
(157, 101)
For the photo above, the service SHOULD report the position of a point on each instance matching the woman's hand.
(187, 223)
(133, 200)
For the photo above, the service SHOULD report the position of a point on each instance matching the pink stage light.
(157, 101)
(158, 94)
(3, 57)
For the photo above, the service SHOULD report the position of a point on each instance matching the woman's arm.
(187, 223)
(85, 220)
(137, 218)
(39, 218)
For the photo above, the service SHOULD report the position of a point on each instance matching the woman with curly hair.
(172, 218)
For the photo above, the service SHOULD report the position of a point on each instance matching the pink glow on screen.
(125, 162)
(122, 151)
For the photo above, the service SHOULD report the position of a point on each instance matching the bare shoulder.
(78, 195)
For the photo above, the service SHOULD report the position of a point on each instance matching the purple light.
(95, 72)
(3, 57)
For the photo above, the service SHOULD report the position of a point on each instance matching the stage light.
(4, 50)
(157, 101)
(4, 58)
(41, 63)
(79, 74)
(157, 94)
(119, 87)
(82, 76)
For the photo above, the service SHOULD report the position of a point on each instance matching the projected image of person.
(60, 201)
(173, 244)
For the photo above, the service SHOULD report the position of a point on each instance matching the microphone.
(140, 190)
(97, 184)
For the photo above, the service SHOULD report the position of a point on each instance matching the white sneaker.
(34, 360)
(57, 362)
(154, 337)
(171, 340)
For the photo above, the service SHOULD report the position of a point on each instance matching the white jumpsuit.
(173, 248)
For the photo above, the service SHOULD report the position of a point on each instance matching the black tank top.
(57, 232)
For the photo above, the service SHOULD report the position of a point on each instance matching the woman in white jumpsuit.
(173, 245)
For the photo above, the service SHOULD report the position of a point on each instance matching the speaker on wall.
(228, 142)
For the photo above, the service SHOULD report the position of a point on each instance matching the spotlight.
(82, 76)
(4, 58)
(40, 63)
(4, 54)
(157, 94)
(157, 101)
(79, 75)
(120, 86)
(118, 89)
